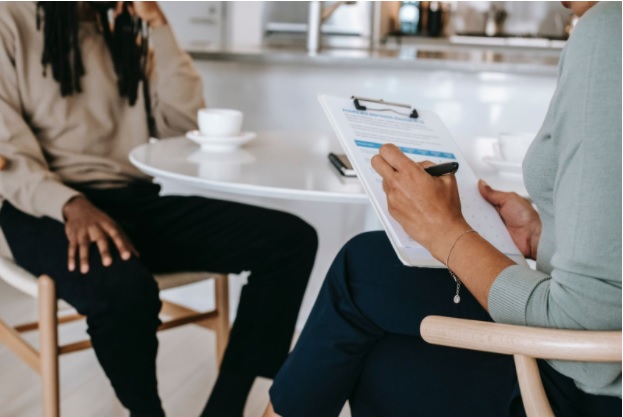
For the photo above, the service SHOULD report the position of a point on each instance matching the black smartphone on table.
(342, 164)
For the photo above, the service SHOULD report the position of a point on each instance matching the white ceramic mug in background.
(219, 122)
(512, 147)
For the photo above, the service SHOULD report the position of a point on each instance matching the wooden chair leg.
(14, 342)
(532, 392)
(221, 298)
(48, 336)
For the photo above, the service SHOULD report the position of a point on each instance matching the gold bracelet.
(457, 297)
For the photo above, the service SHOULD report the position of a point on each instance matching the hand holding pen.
(422, 197)
(442, 169)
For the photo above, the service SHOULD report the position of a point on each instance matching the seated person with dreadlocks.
(72, 105)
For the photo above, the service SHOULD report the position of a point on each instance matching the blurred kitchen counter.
(434, 55)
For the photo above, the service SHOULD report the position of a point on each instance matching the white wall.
(470, 103)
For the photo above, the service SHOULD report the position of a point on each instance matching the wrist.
(154, 17)
(445, 238)
(72, 205)
(535, 236)
(158, 20)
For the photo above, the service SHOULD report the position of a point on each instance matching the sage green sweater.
(573, 174)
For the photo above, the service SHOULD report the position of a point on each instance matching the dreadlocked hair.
(126, 36)
(127, 40)
(60, 44)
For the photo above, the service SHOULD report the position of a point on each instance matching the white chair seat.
(18, 277)
(24, 281)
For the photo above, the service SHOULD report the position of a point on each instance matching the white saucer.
(504, 167)
(220, 144)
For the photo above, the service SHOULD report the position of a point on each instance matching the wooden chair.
(526, 344)
(45, 360)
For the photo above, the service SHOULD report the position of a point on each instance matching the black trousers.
(362, 344)
(121, 301)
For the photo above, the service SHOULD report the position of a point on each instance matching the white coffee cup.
(512, 147)
(219, 122)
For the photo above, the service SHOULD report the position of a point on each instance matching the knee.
(297, 234)
(365, 255)
(365, 245)
(125, 290)
(307, 235)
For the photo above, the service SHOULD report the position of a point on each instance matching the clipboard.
(412, 112)
(421, 135)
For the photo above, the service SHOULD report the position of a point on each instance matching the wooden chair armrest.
(573, 345)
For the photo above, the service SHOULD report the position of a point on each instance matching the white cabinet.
(196, 24)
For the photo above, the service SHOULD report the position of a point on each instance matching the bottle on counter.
(494, 21)
(409, 17)
(435, 19)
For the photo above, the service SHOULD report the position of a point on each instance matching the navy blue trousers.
(172, 234)
(362, 344)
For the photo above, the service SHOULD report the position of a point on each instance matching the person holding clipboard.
(362, 343)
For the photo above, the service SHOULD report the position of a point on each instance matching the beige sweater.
(51, 141)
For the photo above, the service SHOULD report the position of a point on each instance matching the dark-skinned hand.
(85, 225)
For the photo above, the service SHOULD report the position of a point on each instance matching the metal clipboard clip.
(412, 112)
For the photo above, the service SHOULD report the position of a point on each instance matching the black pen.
(443, 169)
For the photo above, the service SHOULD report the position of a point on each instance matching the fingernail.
(125, 255)
(84, 269)
(483, 182)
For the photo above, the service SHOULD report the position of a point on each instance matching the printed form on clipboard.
(423, 137)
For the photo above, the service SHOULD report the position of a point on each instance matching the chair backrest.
(18, 277)
(525, 344)
(542, 343)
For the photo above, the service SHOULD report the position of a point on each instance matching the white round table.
(290, 165)
(287, 165)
